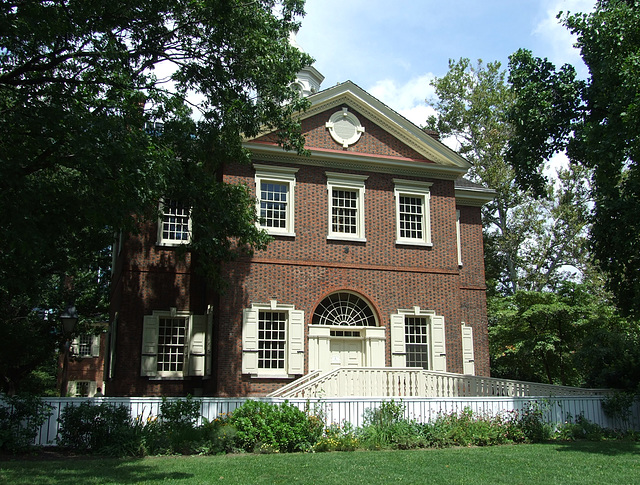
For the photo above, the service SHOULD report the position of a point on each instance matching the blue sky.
(393, 49)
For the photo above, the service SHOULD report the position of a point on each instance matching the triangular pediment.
(344, 113)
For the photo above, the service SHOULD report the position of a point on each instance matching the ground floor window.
(272, 340)
(418, 340)
(176, 344)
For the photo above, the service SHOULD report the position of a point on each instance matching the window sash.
(274, 204)
(272, 340)
(171, 344)
(175, 225)
(411, 217)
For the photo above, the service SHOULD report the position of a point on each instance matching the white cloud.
(557, 38)
(408, 99)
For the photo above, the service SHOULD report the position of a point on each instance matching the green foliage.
(528, 242)
(79, 80)
(469, 429)
(531, 422)
(20, 419)
(281, 428)
(99, 428)
(338, 438)
(597, 122)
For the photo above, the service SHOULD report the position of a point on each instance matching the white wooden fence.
(339, 410)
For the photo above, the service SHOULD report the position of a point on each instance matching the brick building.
(377, 261)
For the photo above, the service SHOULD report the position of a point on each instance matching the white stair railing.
(411, 382)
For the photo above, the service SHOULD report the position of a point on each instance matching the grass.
(614, 462)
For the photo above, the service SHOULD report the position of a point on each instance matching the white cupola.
(308, 80)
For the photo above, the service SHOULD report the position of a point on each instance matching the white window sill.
(276, 233)
(271, 376)
(333, 237)
(172, 244)
(408, 242)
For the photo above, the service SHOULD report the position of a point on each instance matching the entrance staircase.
(412, 382)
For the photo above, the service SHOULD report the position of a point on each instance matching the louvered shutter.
(250, 341)
(468, 364)
(197, 345)
(398, 350)
(438, 346)
(296, 342)
(149, 364)
(95, 345)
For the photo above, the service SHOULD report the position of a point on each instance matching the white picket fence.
(351, 409)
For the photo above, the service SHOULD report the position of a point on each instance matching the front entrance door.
(346, 352)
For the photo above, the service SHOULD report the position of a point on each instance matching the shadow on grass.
(88, 471)
(607, 448)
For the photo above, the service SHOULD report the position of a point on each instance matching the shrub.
(99, 428)
(20, 419)
(338, 438)
(387, 427)
(262, 426)
(531, 422)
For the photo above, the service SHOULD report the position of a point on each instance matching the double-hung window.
(86, 345)
(418, 339)
(272, 340)
(175, 345)
(413, 220)
(174, 226)
(275, 190)
(346, 206)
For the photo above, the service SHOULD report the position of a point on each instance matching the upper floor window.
(86, 345)
(413, 221)
(346, 206)
(174, 227)
(275, 190)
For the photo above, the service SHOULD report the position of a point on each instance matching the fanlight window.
(344, 309)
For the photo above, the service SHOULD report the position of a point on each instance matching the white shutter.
(93, 387)
(149, 364)
(296, 342)
(250, 341)
(72, 389)
(197, 345)
(95, 345)
(438, 347)
(208, 347)
(468, 364)
(75, 347)
(398, 350)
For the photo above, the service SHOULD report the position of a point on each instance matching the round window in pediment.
(344, 127)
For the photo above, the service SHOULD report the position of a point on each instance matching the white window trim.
(458, 238)
(437, 338)
(95, 347)
(348, 182)
(171, 242)
(414, 188)
(280, 175)
(197, 345)
(294, 341)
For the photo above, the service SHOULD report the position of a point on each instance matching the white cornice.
(475, 197)
(355, 161)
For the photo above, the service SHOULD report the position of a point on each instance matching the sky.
(394, 48)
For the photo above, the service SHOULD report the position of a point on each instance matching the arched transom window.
(344, 309)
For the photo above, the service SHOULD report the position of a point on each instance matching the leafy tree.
(597, 122)
(528, 242)
(79, 82)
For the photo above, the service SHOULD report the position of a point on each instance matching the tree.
(571, 337)
(80, 80)
(528, 242)
(597, 122)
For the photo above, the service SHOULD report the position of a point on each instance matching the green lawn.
(563, 463)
